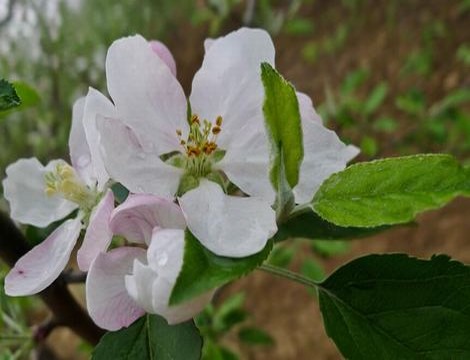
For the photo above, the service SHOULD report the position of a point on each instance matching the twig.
(74, 277)
(57, 297)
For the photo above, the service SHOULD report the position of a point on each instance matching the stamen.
(200, 144)
(63, 181)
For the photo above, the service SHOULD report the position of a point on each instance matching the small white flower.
(126, 282)
(39, 195)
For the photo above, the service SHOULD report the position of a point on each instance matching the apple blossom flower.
(39, 195)
(161, 145)
(126, 282)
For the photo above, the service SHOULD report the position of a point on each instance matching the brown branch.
(65, 309)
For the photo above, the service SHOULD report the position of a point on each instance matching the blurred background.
(391, 76)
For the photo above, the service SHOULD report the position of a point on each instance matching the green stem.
(287, 274)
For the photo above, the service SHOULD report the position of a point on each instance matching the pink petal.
(140, 214)
(229, 83)
(80, 155)
(147, 96)
(136, 166)
(108, 303)
(96, 104)
(324, 154)
(228, 225)
(37, 269)
(98, 235)
(151, 285)
(164, 54)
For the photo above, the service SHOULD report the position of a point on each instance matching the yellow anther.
(216, 130)
(50, 191)
(218, 121)
(179, 132)
(195, 119)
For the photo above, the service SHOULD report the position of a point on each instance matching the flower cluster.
(197, 164)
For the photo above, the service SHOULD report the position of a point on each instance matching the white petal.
(179, 313)
(151, 285)
(80, 155)
(229, 82)
(228, 225)
(139, 285)
(98, 235)
(307, 111)
(136, 218)
(208, 43)
(137, 167)
(324, 154)
(38, 268)
(24, 188)
(147, 96)
(96, 104)
(164, 54)
(246, 164)
(108, 302)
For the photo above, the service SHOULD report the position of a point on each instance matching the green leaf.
(151, 338)
(8, 96)
(255, 336)
(283, 124)
(390, 191)
(376, 98)
(309, 225)
(203, 270)
(396, 307)
(28, 95)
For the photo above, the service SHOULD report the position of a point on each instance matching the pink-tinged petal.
(136, 166)
(324, 154)
(164, 54)
(147, 96)
(246, 164)
(228, 225)
(37, 269)
(98, 235)
(136, 218)
(151, 285)
(80, 155)
(307, 111)
(229, 83)
(108, 302)
(24, 188)
(96, 104)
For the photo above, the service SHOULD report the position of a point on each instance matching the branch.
(65, 309)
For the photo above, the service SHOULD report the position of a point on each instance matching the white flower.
(39, 195)
(154, 148)
(126, 282)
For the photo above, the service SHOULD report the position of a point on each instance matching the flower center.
(65, 182)
(200, 147)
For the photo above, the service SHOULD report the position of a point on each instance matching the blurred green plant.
(16, 339)
(216, 323)
(357, 113)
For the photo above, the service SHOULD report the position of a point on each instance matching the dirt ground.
(380, 39)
